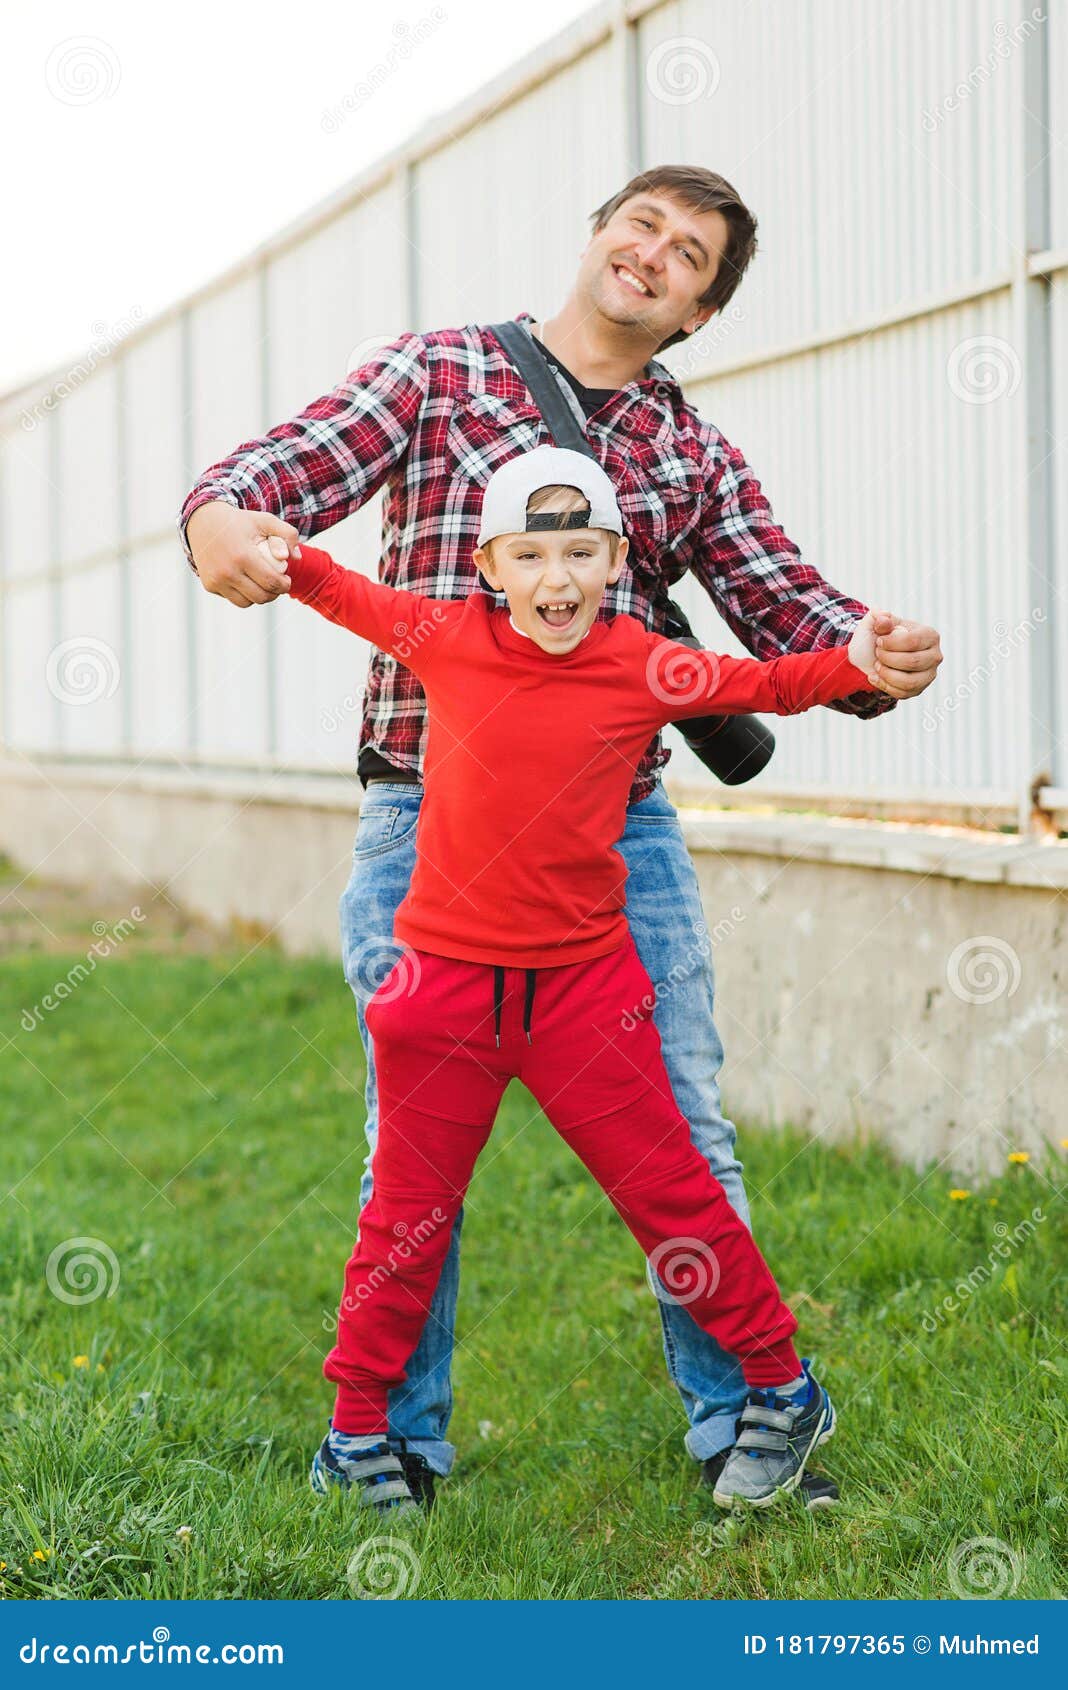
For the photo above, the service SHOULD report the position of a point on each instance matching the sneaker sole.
(828, 1499)
(823, 1436)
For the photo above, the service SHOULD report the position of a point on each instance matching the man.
(430, 417)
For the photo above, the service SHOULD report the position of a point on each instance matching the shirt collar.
(659, 374)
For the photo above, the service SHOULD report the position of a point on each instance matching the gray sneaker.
(374, 1473)
(776, 1437)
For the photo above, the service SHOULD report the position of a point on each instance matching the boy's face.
(554, 579)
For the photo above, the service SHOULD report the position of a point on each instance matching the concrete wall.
(904, 981)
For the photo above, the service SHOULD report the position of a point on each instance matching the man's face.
(650, 264)
(554, 580)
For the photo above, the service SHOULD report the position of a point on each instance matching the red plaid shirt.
(431, 416)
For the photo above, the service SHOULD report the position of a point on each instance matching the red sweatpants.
(594, 1064)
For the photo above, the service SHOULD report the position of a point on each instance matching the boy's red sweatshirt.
(530, 756)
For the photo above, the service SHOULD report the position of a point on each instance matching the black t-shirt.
(371, 762)
(590, 398)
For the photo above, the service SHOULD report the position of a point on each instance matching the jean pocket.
(381, 827)
(654, 820)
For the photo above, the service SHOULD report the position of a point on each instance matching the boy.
(517, 885)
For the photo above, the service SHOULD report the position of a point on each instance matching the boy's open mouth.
(558, 613)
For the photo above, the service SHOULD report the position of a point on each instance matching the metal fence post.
(1032, 332)
(188, 476)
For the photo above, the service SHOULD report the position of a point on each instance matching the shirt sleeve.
(331, 458)
(408, 625)
(683, 682)
(770, 598)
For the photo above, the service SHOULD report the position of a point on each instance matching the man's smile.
(633, 281)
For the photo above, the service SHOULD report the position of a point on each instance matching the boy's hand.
(862, 643)
(276, 551)
(225, 543)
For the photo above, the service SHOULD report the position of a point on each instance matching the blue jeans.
(667, 920)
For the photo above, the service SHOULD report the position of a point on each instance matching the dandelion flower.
(1019, 1155)
(41, 1554)
(81, 1361)
(958, 1196)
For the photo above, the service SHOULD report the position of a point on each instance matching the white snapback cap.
(504, 503)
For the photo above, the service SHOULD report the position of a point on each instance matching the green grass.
(220, 1166)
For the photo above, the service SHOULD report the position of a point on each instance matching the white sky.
(146, 148)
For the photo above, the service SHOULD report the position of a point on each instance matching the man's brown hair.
(699, 190)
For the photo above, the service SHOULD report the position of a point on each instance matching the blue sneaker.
(370, 1469)
(776, 1436)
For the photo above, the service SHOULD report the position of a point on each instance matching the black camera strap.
(735, 748)
(555, 405)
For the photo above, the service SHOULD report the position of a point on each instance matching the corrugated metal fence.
(895, 368)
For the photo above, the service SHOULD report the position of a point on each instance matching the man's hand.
(907, 655)
(225, 545)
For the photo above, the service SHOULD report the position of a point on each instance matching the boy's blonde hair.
(558, 496)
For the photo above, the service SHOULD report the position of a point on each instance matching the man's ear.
(698, 319)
